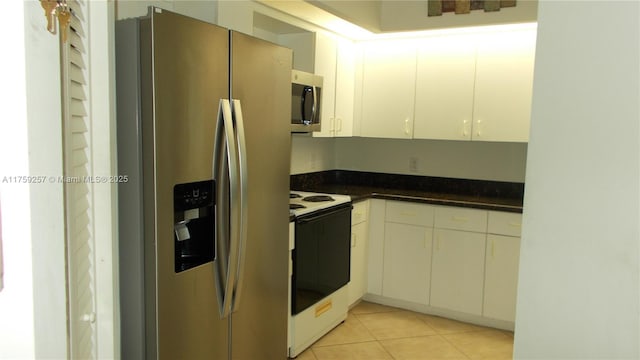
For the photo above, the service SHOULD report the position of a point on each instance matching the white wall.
(311, 154)
(455, 159)
(205, 10)
(407, 15)
(16, 298)
(101, 27)
(579, 293)
(33, 301)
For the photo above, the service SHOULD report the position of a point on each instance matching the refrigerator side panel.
(148, 190)
(130, 215)
(190, 75)
(261, 80)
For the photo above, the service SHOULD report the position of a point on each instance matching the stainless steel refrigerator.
(203, 137)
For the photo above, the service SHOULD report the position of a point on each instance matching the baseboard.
(445, 313)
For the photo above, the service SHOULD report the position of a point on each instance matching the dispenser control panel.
(194, 224)
(193, 195)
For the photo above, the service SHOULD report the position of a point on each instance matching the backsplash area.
(450, 159)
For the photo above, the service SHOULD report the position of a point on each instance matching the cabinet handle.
(515, 224)
(479, 129)
(465, 130)
(339, 124)
(406, 126)
(353, 240)
(332, 124)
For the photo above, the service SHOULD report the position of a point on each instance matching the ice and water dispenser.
(193, 210)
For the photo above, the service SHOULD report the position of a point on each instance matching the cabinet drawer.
(409, 213)
(360, 212)
(503, 223)
(461, 219)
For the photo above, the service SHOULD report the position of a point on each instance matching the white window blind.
(81, 283)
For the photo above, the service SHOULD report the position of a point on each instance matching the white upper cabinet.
(345, 88)
(503, 89)
(325, 66)
(444, 88)
(335, 62)
(459, 87)
(388, 89)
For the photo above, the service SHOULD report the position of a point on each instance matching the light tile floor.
(374, 332)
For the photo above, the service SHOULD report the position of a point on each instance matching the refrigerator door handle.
(227, 213)
(236, 109)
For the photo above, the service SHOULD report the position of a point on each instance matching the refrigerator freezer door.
(190, 75)
(261, 80)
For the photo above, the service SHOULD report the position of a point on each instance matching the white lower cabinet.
(407, 262)
(375, 253)
(502, 263)
(458, 271)
(444, 260)
(458, 259)
(359, 248)
(407, 251)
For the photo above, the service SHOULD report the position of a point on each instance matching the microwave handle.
(314, 110)
(303, 97)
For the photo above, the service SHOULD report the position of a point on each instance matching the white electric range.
(320, 248)
(302, 202)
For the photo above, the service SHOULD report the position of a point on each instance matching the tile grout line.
(436, 333)
(451, 343)
(444, 334)
(457, 348)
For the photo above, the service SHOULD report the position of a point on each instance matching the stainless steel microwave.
(306, 97)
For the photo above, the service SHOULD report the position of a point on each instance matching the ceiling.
(384, 16)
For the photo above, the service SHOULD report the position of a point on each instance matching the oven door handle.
(322, 214)
(225, 174)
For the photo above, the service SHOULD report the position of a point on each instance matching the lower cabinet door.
(358, 276)
(501, 277)
(407, 262)
(458, 270)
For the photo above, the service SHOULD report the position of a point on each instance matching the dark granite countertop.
(479, 194)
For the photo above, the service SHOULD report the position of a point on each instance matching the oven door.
(321, 256)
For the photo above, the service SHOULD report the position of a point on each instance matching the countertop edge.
(448, 202)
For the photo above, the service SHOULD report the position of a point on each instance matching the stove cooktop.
(301, 202)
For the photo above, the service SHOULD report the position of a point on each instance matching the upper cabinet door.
(345, 86)
(503, 89)
(388, 89)
(444, 88)
(335, 62)
(325, 66)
